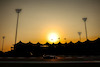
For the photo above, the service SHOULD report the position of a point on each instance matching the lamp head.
(18, 10)
(3, 37)
(79, 33)
(84, 19)
(64, 38)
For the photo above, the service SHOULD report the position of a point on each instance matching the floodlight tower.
(65, 39)
(17, 11)
(3, 42)
(84, 19)
(52, 40)
(59, 39)
(79, 35)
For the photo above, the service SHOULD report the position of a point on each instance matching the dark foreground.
(51, 64)
(59, 61)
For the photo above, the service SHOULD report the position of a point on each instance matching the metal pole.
(84, 19)
(3, 43)
(16, 28)
(86, 30)
(65, 40)
(17, 11)
(59, 39)
(79, 33)
(80, 37)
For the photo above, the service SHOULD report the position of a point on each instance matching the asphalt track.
(59, 59)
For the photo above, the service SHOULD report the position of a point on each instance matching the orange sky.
(39, 18)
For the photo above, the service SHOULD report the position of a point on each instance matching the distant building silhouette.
(34, 50)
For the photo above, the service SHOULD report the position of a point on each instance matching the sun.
(53, 37)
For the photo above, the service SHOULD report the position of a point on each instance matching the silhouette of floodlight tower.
(84, 19)
(59, 39)
(52, 40)
(17, 11)
(65, 39)
(79, 35)
(3, 42)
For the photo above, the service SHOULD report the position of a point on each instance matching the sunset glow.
(53, 37)
(48, 20)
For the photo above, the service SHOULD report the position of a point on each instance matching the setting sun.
(53, 37)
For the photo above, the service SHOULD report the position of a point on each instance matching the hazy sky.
(39, 18)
